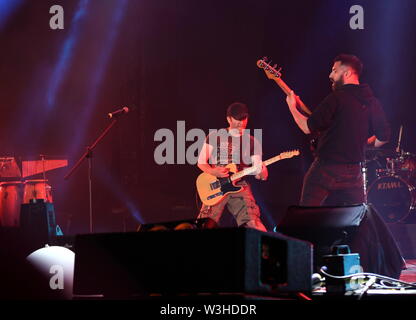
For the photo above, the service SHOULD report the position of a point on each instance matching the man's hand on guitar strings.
(220, 172)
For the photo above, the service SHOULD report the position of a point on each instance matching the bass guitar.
(276, 75)
(212, 189)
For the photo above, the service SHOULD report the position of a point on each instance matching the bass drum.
(392, 197)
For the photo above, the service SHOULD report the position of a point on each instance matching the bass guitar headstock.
(270, 71)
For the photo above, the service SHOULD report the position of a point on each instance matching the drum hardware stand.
(365, 180)
(44, 172)
(88, 154)
(398, 151)
(400, 139)
(43, 166)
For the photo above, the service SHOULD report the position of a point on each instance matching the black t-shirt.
(230, 149)
(345, 119)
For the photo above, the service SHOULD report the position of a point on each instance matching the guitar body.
(212, 189)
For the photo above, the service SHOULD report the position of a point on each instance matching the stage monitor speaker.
(222, 260)
(325, 227)
(37, 220)
(358, 226)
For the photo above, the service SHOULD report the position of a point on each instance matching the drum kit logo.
(389, 185)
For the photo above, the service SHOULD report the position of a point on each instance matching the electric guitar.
(276, 75)
(212, 189)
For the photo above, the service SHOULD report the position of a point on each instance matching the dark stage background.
(182, 60)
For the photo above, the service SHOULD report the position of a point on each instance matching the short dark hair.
(351, 61)
(237, 110)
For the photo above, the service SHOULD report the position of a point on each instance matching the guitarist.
(347, 119)
(227, 146)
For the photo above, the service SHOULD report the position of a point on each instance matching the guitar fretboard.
(250, 170)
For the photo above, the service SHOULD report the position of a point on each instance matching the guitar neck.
(250, 170)
(272, 160)
(242, 173)
(287, 90)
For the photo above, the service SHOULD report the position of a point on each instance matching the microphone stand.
(88, 154)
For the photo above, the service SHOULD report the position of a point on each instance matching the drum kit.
(19, 187)
(390, 180)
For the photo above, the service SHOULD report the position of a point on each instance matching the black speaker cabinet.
(358, 226)
(37, 221)
(322, 225)
(228, 260)
(325, 227)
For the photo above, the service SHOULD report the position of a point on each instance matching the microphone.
(118, 112)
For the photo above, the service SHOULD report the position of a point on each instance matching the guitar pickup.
(215, 185)
(215, 195)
